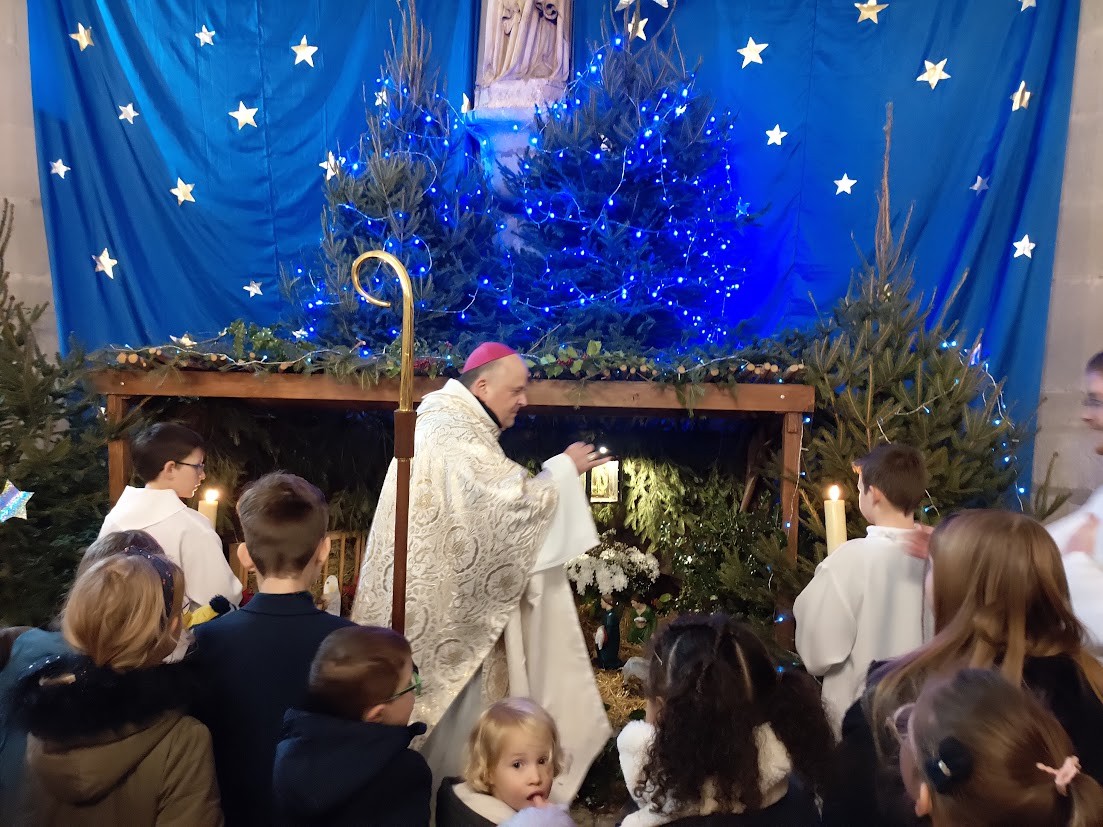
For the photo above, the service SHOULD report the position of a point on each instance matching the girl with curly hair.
(729, 738)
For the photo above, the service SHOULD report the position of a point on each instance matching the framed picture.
(604, 482)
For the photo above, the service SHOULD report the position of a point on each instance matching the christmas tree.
(52, 444)
(885, 369)
(415, 187)
(630, 212)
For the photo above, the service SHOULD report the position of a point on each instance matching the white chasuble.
(489, 610)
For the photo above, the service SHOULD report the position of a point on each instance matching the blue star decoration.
(13, 502)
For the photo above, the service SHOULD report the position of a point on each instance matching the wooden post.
(791, 440)
(118, 450)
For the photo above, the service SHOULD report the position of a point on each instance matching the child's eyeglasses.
(198, 466)
(415, 687)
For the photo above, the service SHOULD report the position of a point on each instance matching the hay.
(621, 698)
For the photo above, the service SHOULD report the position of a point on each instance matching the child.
(109, 740)
(999, 600)
(865, 602)
(725, 732)
(257, 659)
(345, 758)
(977, 750)
(643, 622)
(513, 756)
(32, 645)
(169, 457)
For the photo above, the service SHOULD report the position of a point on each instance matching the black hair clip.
(952, 765)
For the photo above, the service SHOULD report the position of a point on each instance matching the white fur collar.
(482, 804)
(774, 767)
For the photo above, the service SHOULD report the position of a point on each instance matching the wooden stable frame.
(548, 396)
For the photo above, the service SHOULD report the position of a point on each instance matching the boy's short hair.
(356, 668)
(898, 471)
(1095, 364)
(484, 747)
(161, 443)
(284, 518)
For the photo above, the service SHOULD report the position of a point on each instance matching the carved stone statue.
(524, 53)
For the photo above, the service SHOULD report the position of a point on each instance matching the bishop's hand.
(585, 456)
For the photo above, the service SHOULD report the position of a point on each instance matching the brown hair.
(999, 596)
(116, 612)
(1095, 364)
(484, 747)
(159, 444)
(898, 471)
(990, 736)
(284, 519)
(357, 668)
(116, 543)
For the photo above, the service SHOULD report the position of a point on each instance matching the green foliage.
(417, 189)
(886, 370)
(630, 220)
(52, 443)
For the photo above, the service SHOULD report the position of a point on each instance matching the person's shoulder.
(192, 522)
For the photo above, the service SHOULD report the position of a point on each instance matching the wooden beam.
(118, 451)
(595, 397)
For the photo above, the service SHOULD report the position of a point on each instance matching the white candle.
(834, 519)
(208, 506)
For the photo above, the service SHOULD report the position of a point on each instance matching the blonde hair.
(484, 747)
(116, 612)
(978, 740)
(999, 596)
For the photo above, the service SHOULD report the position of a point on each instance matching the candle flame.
(211, 495)
(833, 492)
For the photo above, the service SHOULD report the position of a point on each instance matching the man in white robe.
(489, 611)
(1077, 534)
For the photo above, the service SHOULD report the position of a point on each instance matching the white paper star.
(870, 10)
(934, 72)
(128, 113)
(623, 4)
(1024, 247)
(182, 192)
(635, 29)
(1021, 98)
(58, 168)
(980, 185)
(680, 110)
(253, 289)
(330, 165)
(845, 184)
(381, 97)
(83, 36)
(105, 264)
(752, 52)
(304, 53)
(1028, 4)
(465, 106)
(206, 37)
(299, 334)
(183, 341)
(775, 135)
(244, 115)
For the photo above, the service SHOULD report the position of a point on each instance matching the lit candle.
(834, 519)
(208, 506)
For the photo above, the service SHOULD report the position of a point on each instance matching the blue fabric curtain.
(825, 79)
(257, 190)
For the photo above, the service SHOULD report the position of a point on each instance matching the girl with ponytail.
(729, 738)
(977, 750)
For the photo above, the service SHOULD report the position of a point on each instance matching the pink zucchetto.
(486, 353)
